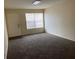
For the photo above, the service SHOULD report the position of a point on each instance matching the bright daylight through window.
(34, 20)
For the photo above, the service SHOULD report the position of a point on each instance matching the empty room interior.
(39, 29)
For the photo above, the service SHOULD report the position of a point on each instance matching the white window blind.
(34, 20)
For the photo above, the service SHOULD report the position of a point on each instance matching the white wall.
(60, 19)
(17, 16)
(5, 41)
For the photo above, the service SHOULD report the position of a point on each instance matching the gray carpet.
(41, 46)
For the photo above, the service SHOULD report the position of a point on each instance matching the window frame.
(36, 27)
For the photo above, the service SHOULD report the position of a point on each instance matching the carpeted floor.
(41, 46)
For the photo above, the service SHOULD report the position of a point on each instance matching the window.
(34, 20)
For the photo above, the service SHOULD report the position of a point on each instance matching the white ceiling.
(27, 4)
